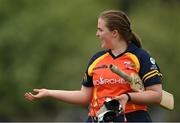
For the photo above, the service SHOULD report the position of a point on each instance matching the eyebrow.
(99, 28)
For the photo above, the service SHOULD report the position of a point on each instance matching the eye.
(99, 29)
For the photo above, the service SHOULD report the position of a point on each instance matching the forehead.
(101, 22)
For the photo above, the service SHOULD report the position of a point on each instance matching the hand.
(123, 99)
(41, 93)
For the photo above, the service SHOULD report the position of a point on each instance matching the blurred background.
(48, 43)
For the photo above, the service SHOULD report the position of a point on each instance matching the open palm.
(40, 93)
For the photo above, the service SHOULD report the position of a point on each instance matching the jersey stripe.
(149, 73)
(95, 96)
(90, 69)
(150, 76)
(135, 60)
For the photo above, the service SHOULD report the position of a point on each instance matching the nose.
(97, 34)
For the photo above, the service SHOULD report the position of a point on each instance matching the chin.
(104, 47)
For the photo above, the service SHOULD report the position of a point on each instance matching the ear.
(115, 33)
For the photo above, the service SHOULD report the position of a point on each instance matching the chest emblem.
(129, 65)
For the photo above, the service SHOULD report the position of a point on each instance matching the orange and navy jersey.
(107, 84)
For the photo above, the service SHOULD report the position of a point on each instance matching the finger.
(25, 94)
(29, 97)
(32, 95)
(124, 107)
(123, 104)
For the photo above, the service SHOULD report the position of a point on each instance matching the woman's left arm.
(152, 94)
(152, 79)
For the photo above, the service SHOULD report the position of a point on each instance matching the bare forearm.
(82, 96)
(75, 97)
(146, 97)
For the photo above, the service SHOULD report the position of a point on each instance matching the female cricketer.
(122, 48)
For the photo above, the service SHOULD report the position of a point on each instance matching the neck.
(119, 48)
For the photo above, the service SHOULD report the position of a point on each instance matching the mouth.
(102, 43)
(101, 40)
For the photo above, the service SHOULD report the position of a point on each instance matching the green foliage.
(43, 44)
(47, 44)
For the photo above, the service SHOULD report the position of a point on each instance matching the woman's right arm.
(82, 96)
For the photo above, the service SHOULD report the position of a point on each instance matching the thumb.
(36, 90)
(122, 103)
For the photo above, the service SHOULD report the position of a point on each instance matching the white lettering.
(102, 81)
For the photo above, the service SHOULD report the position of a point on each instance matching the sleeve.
(149, 70)
(87, 79)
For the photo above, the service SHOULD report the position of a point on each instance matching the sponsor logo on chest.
(109, 81)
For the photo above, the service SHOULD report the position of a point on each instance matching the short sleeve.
(149, 70)
(87, 80)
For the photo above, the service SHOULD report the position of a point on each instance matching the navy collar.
(131, 47)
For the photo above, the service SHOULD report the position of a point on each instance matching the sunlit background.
(48, 43)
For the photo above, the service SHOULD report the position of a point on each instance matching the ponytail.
(118, 20)
(136, 39)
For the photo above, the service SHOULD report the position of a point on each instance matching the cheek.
(104, 36)
(106, 40)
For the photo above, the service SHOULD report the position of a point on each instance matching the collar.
(131, 47)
